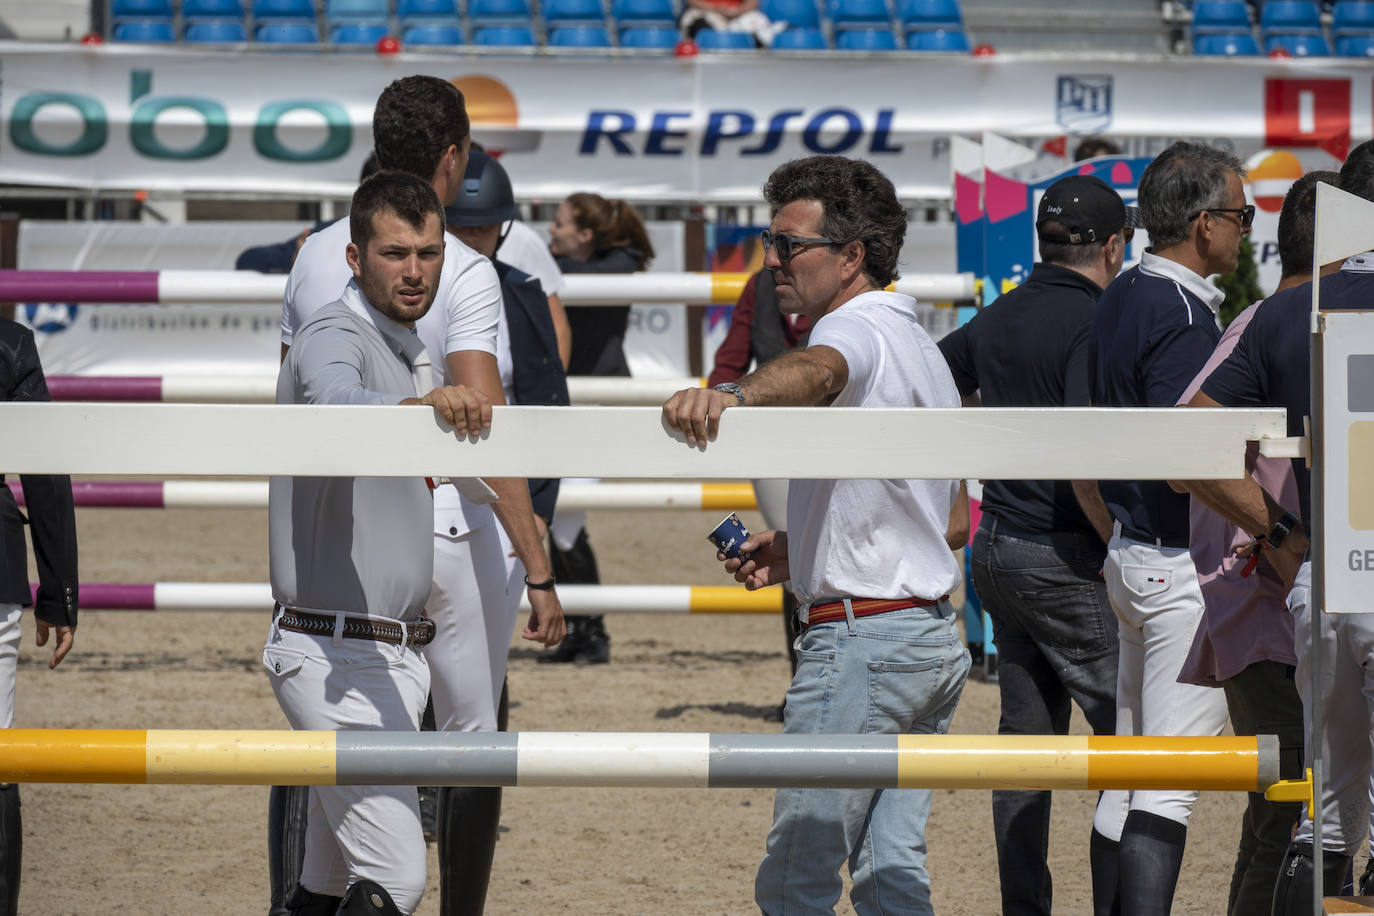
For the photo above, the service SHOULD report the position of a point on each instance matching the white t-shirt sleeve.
(474, 307)
(526, 250)
(318, 277)
(854, 339)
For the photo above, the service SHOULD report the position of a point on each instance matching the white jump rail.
(633, 442)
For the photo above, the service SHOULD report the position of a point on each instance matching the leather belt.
(1142, 537)
(830, 611)
(419, 633)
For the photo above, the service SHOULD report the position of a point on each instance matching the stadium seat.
(212, 9)
(427, 10)
(1221, 16)
(859, 13)
(359, 33)
(1355, 46)
(372, 10)
(1352, 17)
(1225, 44)
(712, 40)
(649, 37)
(798, 14)
(579, 36)
(937, 40)
(283, 9)
(216, 30)
(141, 9)
(639, 11)
(866, 40)
(147, 30)
(1299, 44)
(1291, 16)
(432, 35)
(288, 33)
(572, 11)
(505, 36)
(499, 11)
(800, 40)
(934, 14)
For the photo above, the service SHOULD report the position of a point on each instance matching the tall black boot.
(503, 708)
(468, 821)
(1104, 856)
(596, 642)
(1293, 890)
(429, 795)
(301, 902)
(367, 898)
(1151, 856)
(576, 566)
(11, 848)
(287, 808)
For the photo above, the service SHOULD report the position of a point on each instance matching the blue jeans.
(894, 673)
(1056, 642)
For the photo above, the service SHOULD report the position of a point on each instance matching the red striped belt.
(830, 611)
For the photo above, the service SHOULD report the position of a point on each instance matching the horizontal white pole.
(631, 442)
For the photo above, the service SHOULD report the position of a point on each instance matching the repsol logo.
(94, 125)
(670, 133)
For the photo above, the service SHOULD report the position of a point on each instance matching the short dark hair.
(1357, 172)
(1062, 253)
(1183, 180)
(858, 203)
(1092, 147)
(1298, 222)
(416, 120)
(391, 191)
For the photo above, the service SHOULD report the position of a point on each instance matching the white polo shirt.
(464, 316)
(876, 538)
(528, 251)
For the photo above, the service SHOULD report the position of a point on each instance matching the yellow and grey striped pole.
(666, 760)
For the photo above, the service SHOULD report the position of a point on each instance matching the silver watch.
(731, 388)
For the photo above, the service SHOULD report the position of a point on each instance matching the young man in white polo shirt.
(870, 560)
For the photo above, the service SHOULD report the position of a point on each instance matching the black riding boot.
(287, 807)
(1293, 890)
(367, 898)
(429, 795)
(11, 848)
(302, 902)
(586, 640)
(1104, 857)
(468, 821)
(1151, 856)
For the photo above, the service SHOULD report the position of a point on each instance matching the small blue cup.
(728, 535)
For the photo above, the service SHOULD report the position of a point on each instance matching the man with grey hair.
(1156, 326)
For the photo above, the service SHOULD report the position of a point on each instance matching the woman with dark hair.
(590, 234)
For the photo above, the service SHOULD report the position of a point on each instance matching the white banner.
(648, 128)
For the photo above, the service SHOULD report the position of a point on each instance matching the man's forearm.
(515, 514)
(796, 379)
(1241, 502)
(1090, 501)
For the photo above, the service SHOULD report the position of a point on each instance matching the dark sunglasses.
(788, 245)
(1246, 214)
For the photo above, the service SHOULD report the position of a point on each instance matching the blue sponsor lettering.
(830, 130)
(659, 133)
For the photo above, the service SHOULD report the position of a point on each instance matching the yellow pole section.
(985, 762)
(1211, 763)
(73, 755)
(725, 599)
(242, 758)
(728, 497)
(725, 288)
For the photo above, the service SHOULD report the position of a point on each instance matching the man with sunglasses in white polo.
(870, 560)
(1155, 329)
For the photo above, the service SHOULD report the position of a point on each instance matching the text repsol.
(667, 132)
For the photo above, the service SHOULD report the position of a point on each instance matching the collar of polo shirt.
(1200, 286)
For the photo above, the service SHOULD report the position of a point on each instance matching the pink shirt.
(1246, 620)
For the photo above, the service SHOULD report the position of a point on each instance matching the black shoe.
(567, 650)
(596, 644)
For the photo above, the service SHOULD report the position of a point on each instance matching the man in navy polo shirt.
(1156, 326)
(1269, 367)
(1041, 543)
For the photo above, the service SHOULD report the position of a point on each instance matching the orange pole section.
(75, 755)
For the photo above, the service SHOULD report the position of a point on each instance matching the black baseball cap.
(1087, 207)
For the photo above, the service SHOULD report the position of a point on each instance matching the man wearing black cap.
(1041, 543)
(1156, 327)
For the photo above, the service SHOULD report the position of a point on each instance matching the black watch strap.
(545, 586)
(1282, 528)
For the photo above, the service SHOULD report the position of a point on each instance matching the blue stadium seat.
(212, 9)
(572, 11)
(859, 13)
(649, 37)
(146, 30)
(141, 9)
(937, 40)
(799, 14)
(1352, 17)
(1221, 16)
(1291, 16)
(288, 33)
(373, 10)
(579, 36)
(1225, 44)
(359, 33)
(506, 36)
(800, 40)
(1355, 46)
(435, 10)
(637, 11)
(216, 30)
(935, 14)
(498, 11)
(866, 40)
(432, 35)
(283, 9)
(1299, 44)
(712, 40)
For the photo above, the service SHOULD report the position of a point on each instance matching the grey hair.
(1182, 181)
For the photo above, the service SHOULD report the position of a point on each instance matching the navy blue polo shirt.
(1030, 349)
(1152, 336)
(1269, 366)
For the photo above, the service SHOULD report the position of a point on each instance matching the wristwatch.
(1282, 528)
(731, 388)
